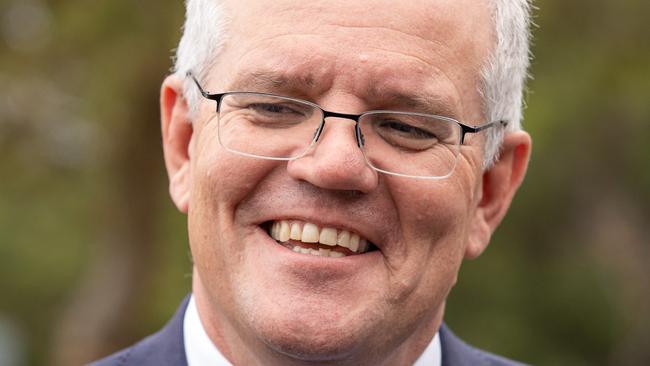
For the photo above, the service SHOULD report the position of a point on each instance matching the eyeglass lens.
(283, 128)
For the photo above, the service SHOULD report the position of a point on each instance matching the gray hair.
(203, 39)
(503, 76)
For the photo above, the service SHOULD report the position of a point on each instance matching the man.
(337, 162)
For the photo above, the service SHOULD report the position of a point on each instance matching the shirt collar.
(199, 348)
(201, 351)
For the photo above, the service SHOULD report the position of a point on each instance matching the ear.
(498, 187)
(177, 134)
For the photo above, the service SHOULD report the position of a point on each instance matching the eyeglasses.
(267, 126)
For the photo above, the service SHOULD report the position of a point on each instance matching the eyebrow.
(415, 101)
(272, 81)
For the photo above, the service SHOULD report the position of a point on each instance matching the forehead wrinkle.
(426, 39)
(427, 44)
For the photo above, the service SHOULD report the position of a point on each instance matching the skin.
(262, 304)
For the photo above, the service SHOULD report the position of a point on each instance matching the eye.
(406, 130)
(404, 136)
(266, 111)
(409, 132)
(275, 108)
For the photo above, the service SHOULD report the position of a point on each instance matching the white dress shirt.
(200, 350)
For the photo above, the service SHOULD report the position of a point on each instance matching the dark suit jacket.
(166, 348)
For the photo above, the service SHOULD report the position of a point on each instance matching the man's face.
(348, 57)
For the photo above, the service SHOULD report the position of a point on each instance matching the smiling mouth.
(308, 238)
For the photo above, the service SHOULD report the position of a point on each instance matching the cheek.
(221, 180)
(434, 221)
(429, 212)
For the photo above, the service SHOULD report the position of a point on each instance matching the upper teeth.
(307, 232)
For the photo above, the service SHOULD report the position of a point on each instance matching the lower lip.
(347, 263)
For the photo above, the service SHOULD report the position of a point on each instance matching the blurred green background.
(93, 255)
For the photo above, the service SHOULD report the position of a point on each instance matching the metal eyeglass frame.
(465, 129)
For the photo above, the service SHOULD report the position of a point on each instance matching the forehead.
(426, 19)
(369, 48)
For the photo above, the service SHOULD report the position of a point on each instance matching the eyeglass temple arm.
(216, 97)
(469, 129)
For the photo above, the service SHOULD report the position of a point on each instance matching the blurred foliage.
(564, 281)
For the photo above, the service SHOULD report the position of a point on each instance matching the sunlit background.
(93, 255)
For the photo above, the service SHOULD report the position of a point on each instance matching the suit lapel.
(455, 352)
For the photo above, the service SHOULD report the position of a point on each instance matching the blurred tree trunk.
(127, 44)
(100, 317)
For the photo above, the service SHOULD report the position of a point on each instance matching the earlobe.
(177, 133)
(498, 187)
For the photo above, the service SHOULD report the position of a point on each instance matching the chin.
(312, 337)
(309, 328)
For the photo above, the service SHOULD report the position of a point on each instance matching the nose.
(336, 162)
